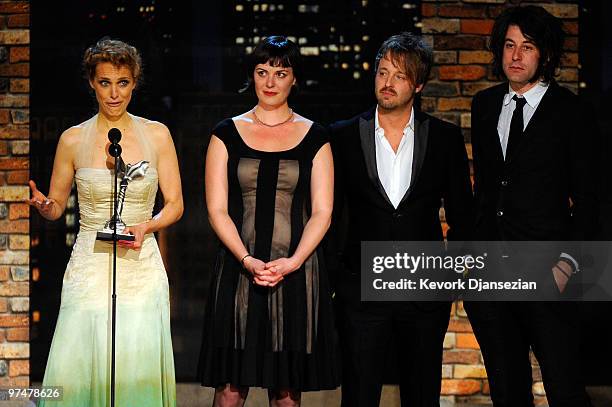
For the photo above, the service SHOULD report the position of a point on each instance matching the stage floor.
(192, 395)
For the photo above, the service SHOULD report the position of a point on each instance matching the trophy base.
(106, 235)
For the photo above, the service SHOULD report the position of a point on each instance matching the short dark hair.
(116, 52)
(277, 50)
(537, 25)
(410, 52)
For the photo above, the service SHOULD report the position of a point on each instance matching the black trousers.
(366, 332)
(507, 330)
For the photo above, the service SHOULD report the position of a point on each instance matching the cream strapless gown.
(79, 359)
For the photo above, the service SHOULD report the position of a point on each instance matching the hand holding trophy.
(127, 173)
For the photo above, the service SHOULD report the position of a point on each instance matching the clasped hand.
(271, 273)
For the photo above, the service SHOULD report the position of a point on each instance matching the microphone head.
(114, 150)
(114, 135)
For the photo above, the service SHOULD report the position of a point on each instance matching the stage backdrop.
(193, 53)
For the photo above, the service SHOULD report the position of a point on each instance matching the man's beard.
(392, 104)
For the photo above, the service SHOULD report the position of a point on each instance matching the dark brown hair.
(117, 53)
(537, 25)
(277, 50)
(410, 52)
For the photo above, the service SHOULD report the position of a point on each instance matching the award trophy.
(127, 173)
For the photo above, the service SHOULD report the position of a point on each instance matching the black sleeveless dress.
(280, 337)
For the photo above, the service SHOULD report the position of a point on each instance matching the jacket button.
(500, 213)
(504, 183)
(397, 215)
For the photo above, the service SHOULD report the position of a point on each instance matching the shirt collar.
(533, 96)
(409, 125)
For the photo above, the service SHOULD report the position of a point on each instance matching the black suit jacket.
(545, 190)
(362, 210)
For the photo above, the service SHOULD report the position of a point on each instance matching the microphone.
(114, 136)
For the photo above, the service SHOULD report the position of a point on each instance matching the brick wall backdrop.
(458, 32)
(14, 175)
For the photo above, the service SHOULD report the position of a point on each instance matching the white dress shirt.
(533, 97)
(394, 168)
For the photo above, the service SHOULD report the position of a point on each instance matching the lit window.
(239, 40)
(357, 48)
(365, 37)
(239, 7)
(70, 220)
(302, 40)
(345, 65)
(333, 47)
(70, 239)
(408, 6)
(255, 7)
(312, 8)
(309, 51)
(356, 75)
(264, 7)
(366, 66)
(71, 202)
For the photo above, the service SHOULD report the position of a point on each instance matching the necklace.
(258, 120)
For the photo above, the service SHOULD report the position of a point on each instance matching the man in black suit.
(394, 165)
(533, 181)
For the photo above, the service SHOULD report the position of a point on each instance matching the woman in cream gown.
(79, 359)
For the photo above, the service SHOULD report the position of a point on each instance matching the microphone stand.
(115, 151)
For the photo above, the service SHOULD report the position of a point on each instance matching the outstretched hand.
(43, 204)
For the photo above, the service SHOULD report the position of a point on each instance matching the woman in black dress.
(269, 193)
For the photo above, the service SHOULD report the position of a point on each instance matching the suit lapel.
(368, 146)
(491, 120)
(421, 136)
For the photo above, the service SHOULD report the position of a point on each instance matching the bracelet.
(243, 258)
(570, 263)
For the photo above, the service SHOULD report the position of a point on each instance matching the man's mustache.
(387, 89)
